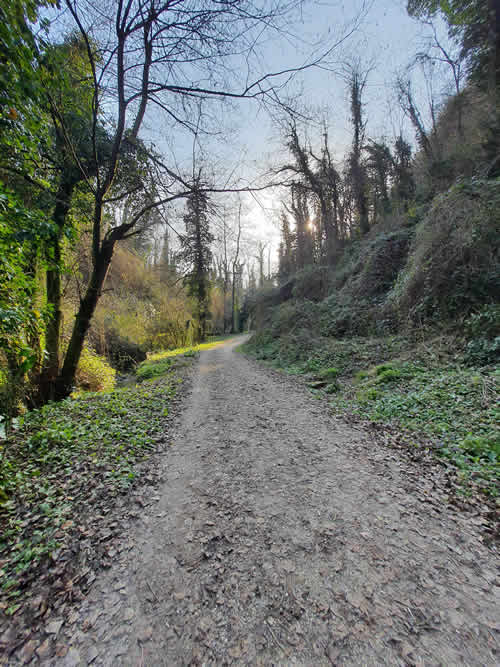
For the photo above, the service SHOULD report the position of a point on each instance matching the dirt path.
(284, 537)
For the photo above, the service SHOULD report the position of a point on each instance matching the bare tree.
(407, 101)
(161, 54)
(318, 176)
(437, 52)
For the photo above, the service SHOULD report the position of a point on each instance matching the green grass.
(456, 407)
(150, 369)
(421, 388)
(65, 457)
(161, 363)
(166, 354)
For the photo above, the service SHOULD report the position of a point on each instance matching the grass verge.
(160, 363)
(422, 389)
(61, 472)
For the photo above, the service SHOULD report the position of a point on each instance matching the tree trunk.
(50, 368)
(364, 223)
(66, 379)
(233, 303)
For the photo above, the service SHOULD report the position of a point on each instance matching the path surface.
(284, 537)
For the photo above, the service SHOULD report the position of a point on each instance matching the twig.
(275, 638)
(152, 591)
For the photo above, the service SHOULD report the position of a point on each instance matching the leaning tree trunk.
(88, 303)
(50, 368)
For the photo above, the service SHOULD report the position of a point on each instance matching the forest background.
(362, 252)
(111, 251)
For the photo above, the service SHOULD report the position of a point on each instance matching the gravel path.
(283, 536)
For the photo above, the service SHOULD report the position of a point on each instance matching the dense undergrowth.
(421, 387)
(67, 459)
(403, 328)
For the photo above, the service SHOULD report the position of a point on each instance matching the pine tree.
(404, 184)
(286, 250)
(197, 254)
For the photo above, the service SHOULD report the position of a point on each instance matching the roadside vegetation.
(117, 268)
(387, 295)
(66, 464)
(159, 363)
(424, 389)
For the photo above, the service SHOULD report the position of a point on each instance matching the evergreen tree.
(197, 254)
(286, 250)
(379, 164)
(404, 184)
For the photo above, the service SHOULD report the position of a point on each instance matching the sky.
(385, 40)
(248, 138)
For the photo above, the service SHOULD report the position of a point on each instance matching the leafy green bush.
(152, 369)
(389, 375)
(483, 331)
(329, 373)
(94, 373)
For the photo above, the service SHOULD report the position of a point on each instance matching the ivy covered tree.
(403, 181)
(357, 170)
(286, 250)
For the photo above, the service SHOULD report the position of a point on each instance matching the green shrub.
(153, 369)
(369, 394)
(382, 368)
(94, 373)
(483, 331)
(329, 373)
(389, 375)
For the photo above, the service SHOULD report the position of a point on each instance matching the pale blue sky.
(386, 41)
(250, 141)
